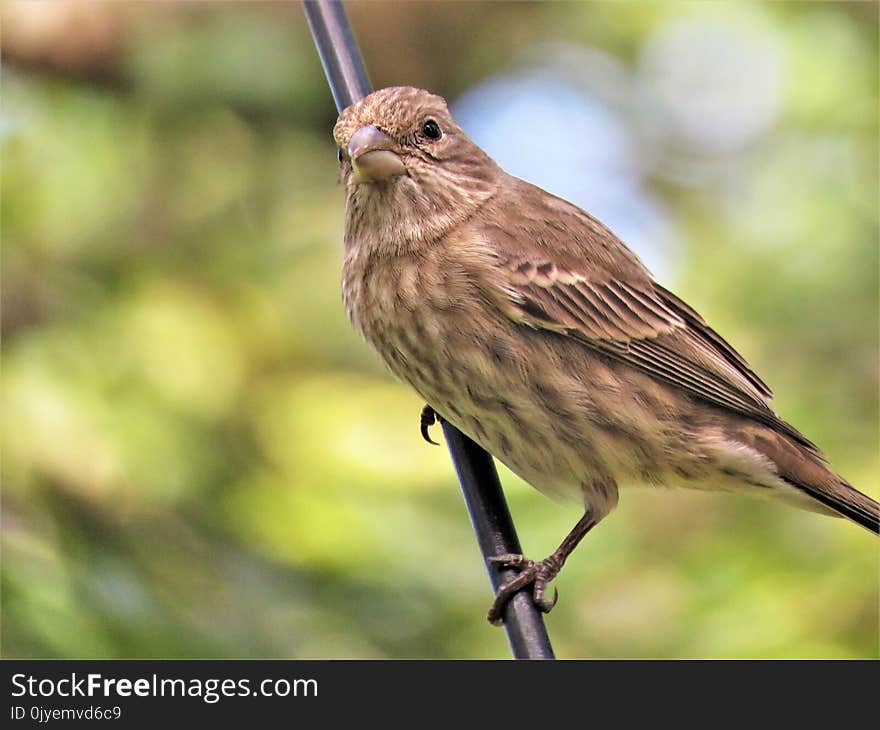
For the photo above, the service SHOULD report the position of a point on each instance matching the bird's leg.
(429, 418)
(538, 575)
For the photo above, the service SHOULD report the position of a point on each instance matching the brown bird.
(529, 326)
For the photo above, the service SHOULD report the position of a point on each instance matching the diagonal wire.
(476, 471)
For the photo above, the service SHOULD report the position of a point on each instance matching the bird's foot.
(537, 575)
(429, 418)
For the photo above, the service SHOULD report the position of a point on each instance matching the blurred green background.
(201, 459)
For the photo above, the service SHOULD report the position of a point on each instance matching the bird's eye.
(432, 130)
(340, 156)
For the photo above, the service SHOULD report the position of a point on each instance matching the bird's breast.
(504, 385)
(406, 307)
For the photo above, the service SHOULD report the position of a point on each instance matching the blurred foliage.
(200, 459)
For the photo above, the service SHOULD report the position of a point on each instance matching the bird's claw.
(545, 605)
(428, 418)
(538, 575)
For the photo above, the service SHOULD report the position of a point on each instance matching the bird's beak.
(371, 157)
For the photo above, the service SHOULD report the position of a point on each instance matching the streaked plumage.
(528, 325)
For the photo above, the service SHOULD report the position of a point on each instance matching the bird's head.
(409, 170)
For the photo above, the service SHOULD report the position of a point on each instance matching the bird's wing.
(637, 322)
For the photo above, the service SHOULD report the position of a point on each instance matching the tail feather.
(804, 469)
(846, 501)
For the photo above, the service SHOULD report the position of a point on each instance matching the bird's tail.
(846, 501)
(804, 469)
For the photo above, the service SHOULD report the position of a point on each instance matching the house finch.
(529, 326)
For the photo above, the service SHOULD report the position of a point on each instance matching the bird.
(527, 324)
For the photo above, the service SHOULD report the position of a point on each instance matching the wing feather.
(644, 325)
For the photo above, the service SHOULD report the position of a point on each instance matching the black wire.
(338, 50)
(496, 535)
(476, 471)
